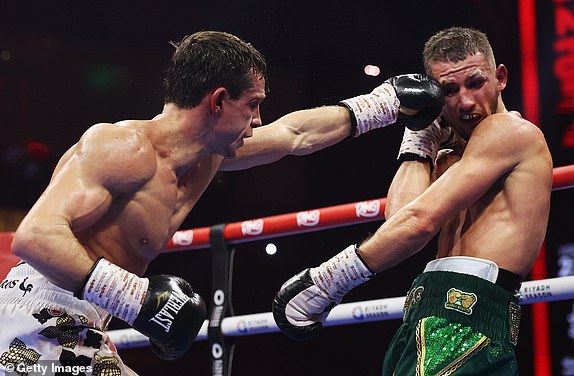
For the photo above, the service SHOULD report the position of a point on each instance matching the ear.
(501, 77)
(216, 99)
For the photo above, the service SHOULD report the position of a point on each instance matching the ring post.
(222, 262)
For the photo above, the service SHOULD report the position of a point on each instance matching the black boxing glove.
(163, 308)
(412, 100)
(421, 99)
(303, 303)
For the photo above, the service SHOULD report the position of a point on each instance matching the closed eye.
(476, 84)
(449, 89)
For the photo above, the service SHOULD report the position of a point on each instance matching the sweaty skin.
(124, 189)
(491, 197)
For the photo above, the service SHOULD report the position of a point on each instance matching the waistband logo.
(12, 283)
(24, 287)
(460, 301)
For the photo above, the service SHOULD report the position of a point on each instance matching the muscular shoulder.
(508, 132)
(510, 123)
(115, 155)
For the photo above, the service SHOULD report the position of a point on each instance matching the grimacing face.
(472, 90)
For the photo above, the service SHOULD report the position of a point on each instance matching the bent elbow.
(423, 222)
(26, 240)
(22, 242)
(428, 229)
(390, 209)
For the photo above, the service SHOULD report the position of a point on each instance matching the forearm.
(417, 154)
(298, 133)
(54, 251)
(403, 235)
(317, 128)
(411, 179)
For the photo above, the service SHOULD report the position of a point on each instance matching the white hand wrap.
(374, 110)
(116, 290)
(426, 142)
(343, 272)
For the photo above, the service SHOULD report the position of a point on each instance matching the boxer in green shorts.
(457, 322)
(480, 178)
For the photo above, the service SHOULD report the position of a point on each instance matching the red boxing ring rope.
(310, 220)
(544, 290)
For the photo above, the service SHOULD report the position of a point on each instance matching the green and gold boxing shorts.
(455, 324)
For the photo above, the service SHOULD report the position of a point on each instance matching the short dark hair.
(456, 44)
(206, 60)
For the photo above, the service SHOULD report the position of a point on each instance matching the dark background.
(65, 65)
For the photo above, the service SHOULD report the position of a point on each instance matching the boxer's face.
(238, 118)
(472, 91)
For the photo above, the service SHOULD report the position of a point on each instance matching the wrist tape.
(424, 143)
(374, 110)
(341, 273)
(116, 290)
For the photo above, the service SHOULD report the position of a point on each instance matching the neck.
(500, 107)
(177, 135)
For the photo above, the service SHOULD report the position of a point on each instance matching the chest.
(149, 216)
(167, 199)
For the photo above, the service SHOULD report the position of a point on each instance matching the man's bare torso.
(139, 221)
(507, 225)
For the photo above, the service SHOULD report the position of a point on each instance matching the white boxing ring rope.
(544, 290)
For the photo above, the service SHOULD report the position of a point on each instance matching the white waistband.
(24, 283)
(478, 267)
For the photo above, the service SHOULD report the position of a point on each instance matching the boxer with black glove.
(164, 308)
(302, 304)
(411, 100)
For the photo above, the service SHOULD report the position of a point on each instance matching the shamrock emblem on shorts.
(18, 353)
